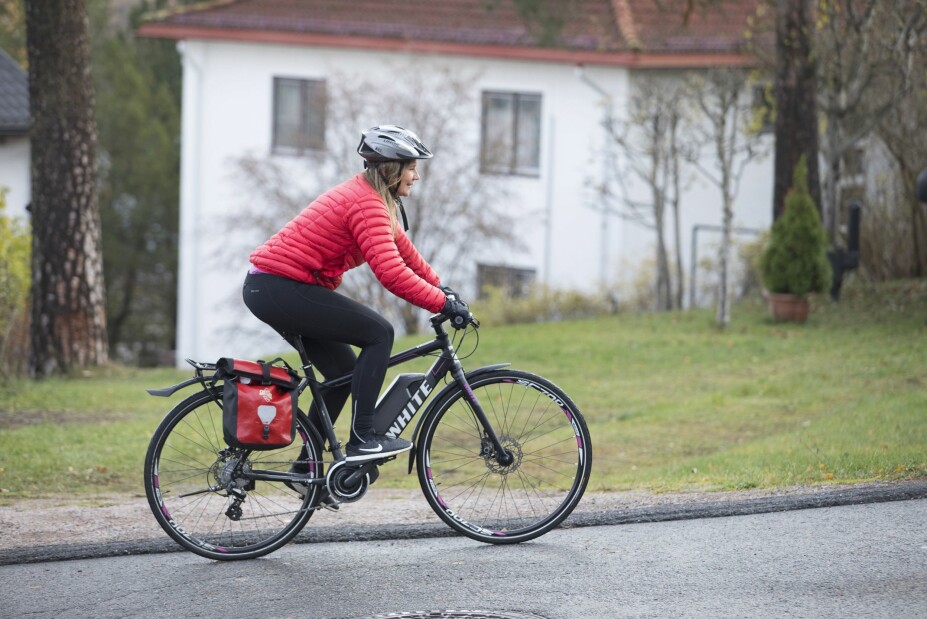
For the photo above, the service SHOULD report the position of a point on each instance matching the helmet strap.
(402, 211)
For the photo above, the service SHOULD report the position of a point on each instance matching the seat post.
(296, 341)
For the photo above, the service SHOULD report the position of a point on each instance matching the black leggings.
(328, 322)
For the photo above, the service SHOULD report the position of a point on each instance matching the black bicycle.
(502, 456)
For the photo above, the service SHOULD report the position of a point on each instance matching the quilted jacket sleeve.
(414, 260)
(370, 225)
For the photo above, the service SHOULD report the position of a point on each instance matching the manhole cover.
(456, 614)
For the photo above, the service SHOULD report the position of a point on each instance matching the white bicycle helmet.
(391, 143)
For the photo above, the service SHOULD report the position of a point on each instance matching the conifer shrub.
(795, 261)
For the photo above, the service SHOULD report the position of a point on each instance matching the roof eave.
(631, 59)
(14, 130)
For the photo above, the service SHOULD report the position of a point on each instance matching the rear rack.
(199, 368)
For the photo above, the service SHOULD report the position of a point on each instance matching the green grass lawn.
(672, 402)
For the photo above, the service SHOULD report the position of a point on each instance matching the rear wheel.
(203, 493)
(486, 497)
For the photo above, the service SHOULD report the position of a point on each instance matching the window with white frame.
(299, 115)
(511, 133)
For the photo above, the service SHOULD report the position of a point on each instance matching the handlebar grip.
(439, 319)
(459, 322)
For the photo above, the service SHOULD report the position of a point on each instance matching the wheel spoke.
(481, 497)
(191, 475)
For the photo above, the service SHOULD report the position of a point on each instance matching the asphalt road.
(862, 560)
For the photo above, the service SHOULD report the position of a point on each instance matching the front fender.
(441, 395)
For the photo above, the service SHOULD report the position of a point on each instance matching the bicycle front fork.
(494, 449)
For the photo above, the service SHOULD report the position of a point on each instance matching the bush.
(543, 304)
(795, 261)
(15, 252)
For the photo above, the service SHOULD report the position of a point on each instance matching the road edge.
(902, 491)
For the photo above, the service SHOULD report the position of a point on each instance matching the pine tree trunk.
(796, 102)
(68, 327)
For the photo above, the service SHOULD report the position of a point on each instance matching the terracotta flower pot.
(784, 307)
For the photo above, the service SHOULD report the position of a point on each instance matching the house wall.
(227, 113)
(15, 174)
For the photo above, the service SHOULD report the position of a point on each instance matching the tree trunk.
(677, 224)
(68, 303)
(663, 293)
(725, 150)
(796, 106)
(723, 316)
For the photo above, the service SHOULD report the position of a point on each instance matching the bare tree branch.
(722, 96)
(455, 214)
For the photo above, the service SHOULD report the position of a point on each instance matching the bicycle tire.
(476, 496)
(186, 465)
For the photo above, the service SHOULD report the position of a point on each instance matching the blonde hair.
(384, 177)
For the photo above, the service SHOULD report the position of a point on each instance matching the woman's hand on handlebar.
(449, 292)
(457, 312)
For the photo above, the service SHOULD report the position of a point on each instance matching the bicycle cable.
(459, 342)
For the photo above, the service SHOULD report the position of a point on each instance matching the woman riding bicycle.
(291, 285)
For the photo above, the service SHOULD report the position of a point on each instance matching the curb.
(366, 533)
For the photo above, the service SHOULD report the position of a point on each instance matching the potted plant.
(795, 262)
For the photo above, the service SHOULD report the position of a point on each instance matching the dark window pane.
(512, 281)
(299, 115)
(498, 130)
(511, 133)
(528, 149)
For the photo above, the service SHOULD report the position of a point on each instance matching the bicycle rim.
(187, 470)
(476, 495)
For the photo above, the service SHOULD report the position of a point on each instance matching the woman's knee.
(375, 330)
(390, 332)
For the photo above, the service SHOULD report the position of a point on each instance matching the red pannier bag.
(258, 404)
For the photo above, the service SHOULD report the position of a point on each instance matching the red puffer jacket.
(341, 229)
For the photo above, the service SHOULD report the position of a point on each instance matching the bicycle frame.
(447, 362)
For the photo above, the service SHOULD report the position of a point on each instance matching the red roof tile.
(664, 26)
(597, 27)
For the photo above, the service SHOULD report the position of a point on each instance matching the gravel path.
(120, 518)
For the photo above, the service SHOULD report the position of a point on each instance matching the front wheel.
(513, 498)
(210, 498)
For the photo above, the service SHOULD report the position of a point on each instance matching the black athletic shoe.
(376, 447)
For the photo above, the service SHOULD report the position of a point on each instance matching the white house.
(15, 122)
(252, 69)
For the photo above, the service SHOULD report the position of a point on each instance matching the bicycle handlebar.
(439, 319)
